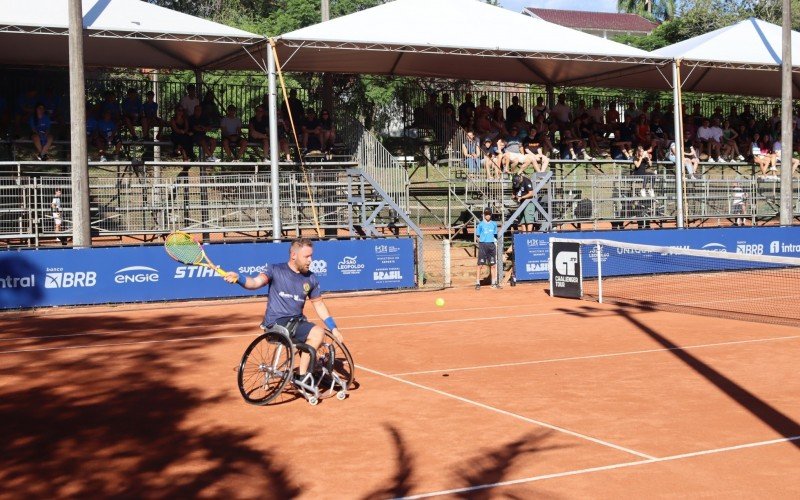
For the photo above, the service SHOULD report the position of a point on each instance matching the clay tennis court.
(501, 393)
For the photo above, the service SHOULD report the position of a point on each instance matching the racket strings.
(183, 248)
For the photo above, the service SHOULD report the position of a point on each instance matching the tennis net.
(762, 288)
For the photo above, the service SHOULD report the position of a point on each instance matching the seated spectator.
(690, 160)
(760, 156)
(709, 139)
(620, 148)
(52, 103)
(312, 132)
(108, 136)
(612, 117)
(572, 147)
(40, 125)
(293, 113)
(190, 100)
(181, 137)
(585, 128)
(514, 113)
(91, 125)
(132, 112)
(596, 114)
(471, 150)
(231, 127)
(258, 131)
(514, 154)
(150, 118)
(540, 133)
(775, 158)
(660, 138)
(730, 148)
(743, 140)
(561, 113)
(540, 109)
(493, 158)
(466, 111)
(110, 105)
(199, 127)
(211, 110)
(535, 156)
(328, 130)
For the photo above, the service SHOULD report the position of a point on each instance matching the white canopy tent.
(744, 58)
(121, 33)
(458, 39)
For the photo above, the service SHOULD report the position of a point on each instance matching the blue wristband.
(330, 323)
(241, 280)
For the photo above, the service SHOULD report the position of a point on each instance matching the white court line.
(254, 324)
(602, 468)
(510, 414)
(594, 356)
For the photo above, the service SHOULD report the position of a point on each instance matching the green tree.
(660, 10)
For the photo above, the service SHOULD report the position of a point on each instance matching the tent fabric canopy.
(440, 39)
(121, 33)
(744, 58)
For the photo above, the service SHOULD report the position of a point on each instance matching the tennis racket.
(183, 248)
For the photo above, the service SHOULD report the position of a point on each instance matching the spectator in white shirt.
(231, 126)
(597, 113)
(561, 112)
(710, 138)
(190, 100)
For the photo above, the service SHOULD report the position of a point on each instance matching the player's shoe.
(477, 286)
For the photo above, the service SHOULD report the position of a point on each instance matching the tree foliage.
(658, 10)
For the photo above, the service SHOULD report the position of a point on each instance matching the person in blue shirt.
(486, 233)
(290, 285)
(40, 124)
(132, 112)
(107, 136)
(150, 117)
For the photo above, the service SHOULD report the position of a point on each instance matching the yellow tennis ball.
(440, 302)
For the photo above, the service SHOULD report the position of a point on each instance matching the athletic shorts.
(487, 253)
(303, 327)
(57, 217)
(528, 216)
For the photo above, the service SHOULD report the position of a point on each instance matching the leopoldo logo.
(350, 265)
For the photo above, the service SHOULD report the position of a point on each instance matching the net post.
(446, 259)
(599, 273)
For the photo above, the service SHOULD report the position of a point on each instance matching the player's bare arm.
(247, 282)
(322, 312)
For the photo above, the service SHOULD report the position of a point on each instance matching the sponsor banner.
(532, 250)
(30, 278)
(566, 280)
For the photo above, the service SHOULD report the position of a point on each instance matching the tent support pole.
(786, 214)
(81, 218)
(678, 135)
(551, 96)
(198, 82)
(273, 144)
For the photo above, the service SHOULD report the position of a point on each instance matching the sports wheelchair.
(268, 363)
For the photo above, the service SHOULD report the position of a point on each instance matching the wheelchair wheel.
(335, 356)
(265, 367)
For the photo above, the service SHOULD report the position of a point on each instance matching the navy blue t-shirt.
(288, 291)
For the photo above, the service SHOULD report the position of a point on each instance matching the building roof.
(581, 20)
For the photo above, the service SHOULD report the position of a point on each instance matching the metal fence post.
(446, 261)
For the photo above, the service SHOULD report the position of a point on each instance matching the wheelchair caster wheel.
(341, 395)
(313, 401)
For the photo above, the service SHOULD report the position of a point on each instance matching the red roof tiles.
(594, 20)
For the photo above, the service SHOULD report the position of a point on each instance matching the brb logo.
(566, 262)
(318, 267)
(56, 277)
(136, 274)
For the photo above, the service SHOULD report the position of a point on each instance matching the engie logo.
(318, 267)
(70, 280)
(350, 265)
(136, 274)
(565, 263)
(715, 247)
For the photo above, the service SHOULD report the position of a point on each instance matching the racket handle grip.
(220, 271)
